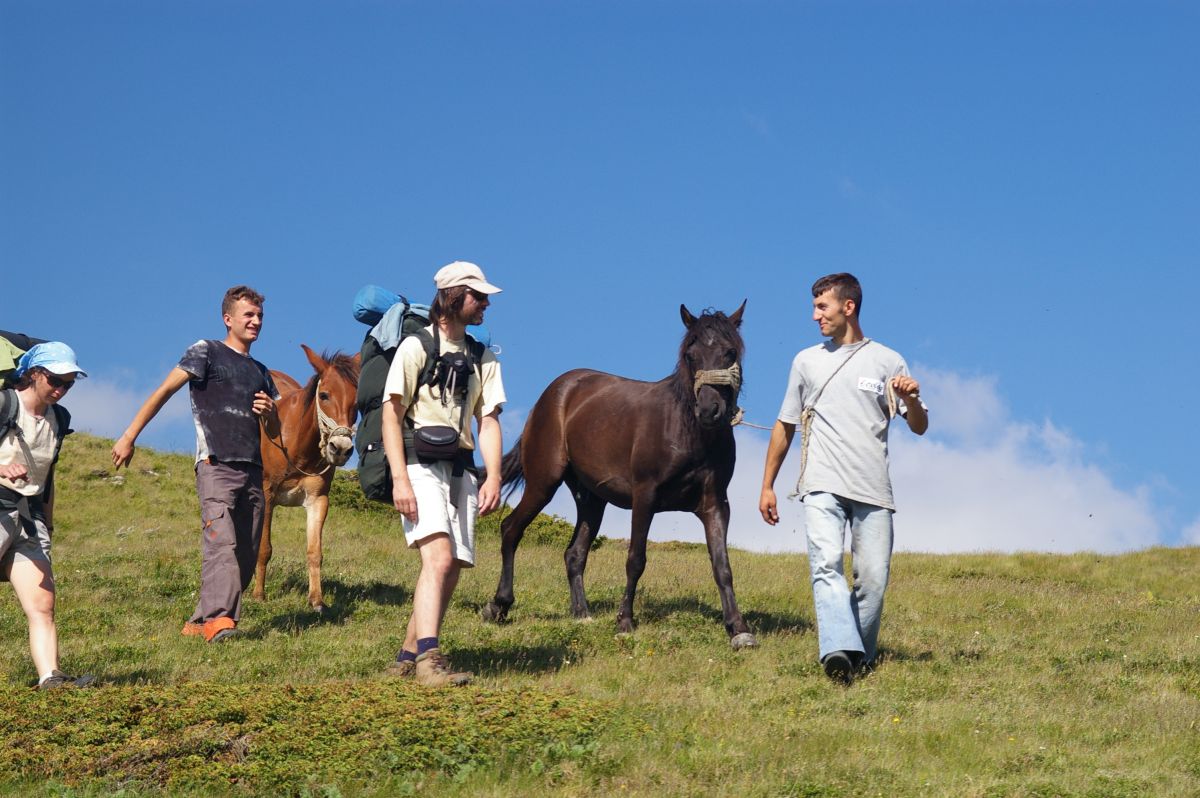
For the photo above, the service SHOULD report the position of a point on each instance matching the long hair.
(447, 303)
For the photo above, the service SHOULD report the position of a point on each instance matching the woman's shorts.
(21, 538)
(445, 504)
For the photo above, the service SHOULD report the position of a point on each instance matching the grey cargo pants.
(231, 511)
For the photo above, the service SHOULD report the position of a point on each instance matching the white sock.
(44, 677)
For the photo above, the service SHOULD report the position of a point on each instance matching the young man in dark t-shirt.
(230, 393)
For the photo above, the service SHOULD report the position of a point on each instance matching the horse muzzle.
(715, 410)
(339, 449)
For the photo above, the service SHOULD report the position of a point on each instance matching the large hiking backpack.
(12, 346)
(391, 326)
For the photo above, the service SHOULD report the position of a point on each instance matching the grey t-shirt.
(848, 447)
(222, 388)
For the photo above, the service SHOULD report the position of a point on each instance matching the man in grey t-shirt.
(843, 394)
(231, 393)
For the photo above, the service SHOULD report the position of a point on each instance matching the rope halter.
(731, 376)
(328, 427)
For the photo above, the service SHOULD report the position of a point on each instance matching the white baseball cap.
(463, 273)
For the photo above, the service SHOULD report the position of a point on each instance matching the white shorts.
(437, 512)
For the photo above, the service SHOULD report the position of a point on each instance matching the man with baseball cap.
(32, 427)
(430, 450)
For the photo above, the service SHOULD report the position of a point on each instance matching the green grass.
(1000, 675)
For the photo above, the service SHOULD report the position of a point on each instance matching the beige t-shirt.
(36, 452)
(429, 410)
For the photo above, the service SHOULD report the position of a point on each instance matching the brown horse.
(649, 447)
(316, 435)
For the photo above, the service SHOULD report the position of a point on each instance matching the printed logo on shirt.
(870, 385)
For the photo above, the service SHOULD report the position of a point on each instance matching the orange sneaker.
(192, 629)
(218, 629)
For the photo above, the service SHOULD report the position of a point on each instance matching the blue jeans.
(848, 621)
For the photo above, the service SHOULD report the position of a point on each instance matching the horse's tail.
(512, 473)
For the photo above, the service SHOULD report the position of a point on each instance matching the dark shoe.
(433, 670)
(839, 668)
(59, 681)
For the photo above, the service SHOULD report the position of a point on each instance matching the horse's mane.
(347, 367)
(709, 324)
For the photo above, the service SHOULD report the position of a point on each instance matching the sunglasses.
(54, 381)
(479, 295)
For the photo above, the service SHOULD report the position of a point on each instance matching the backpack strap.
(432, 344)
(63, 417)
(8, 410)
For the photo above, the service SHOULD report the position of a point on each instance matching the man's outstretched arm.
(122, 451)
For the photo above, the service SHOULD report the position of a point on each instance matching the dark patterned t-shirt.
(222, 388)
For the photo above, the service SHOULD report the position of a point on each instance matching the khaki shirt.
(483, 397)
(36, 452)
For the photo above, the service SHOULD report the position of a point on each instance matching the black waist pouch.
(435, 443)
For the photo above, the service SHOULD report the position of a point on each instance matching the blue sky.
(1014, 183)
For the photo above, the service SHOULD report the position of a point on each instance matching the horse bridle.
(731, 376)
(327, 429)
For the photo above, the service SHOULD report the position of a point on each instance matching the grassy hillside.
(1000, 675)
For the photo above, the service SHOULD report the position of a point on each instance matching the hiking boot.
(839, 668)
(192, 629)
(60, 681)
(401, 668)
(433, 670)
(217, 630)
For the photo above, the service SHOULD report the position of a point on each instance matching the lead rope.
(806, 418)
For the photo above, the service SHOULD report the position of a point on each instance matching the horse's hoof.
(493, 613)
(743, 640)
(624, 626)
(319, 608)
(584, 619)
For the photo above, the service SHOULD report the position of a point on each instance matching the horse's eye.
(324, 396)
(731, 354)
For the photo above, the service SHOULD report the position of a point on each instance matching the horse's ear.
(736, 316)
(318, 363)
(686, 315)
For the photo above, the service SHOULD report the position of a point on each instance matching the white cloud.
(978, 481)
(105, 408)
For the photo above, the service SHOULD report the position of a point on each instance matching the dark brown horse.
(649, 447)
(317, 434)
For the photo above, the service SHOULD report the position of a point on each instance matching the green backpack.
(374, 473)
(12, 346)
